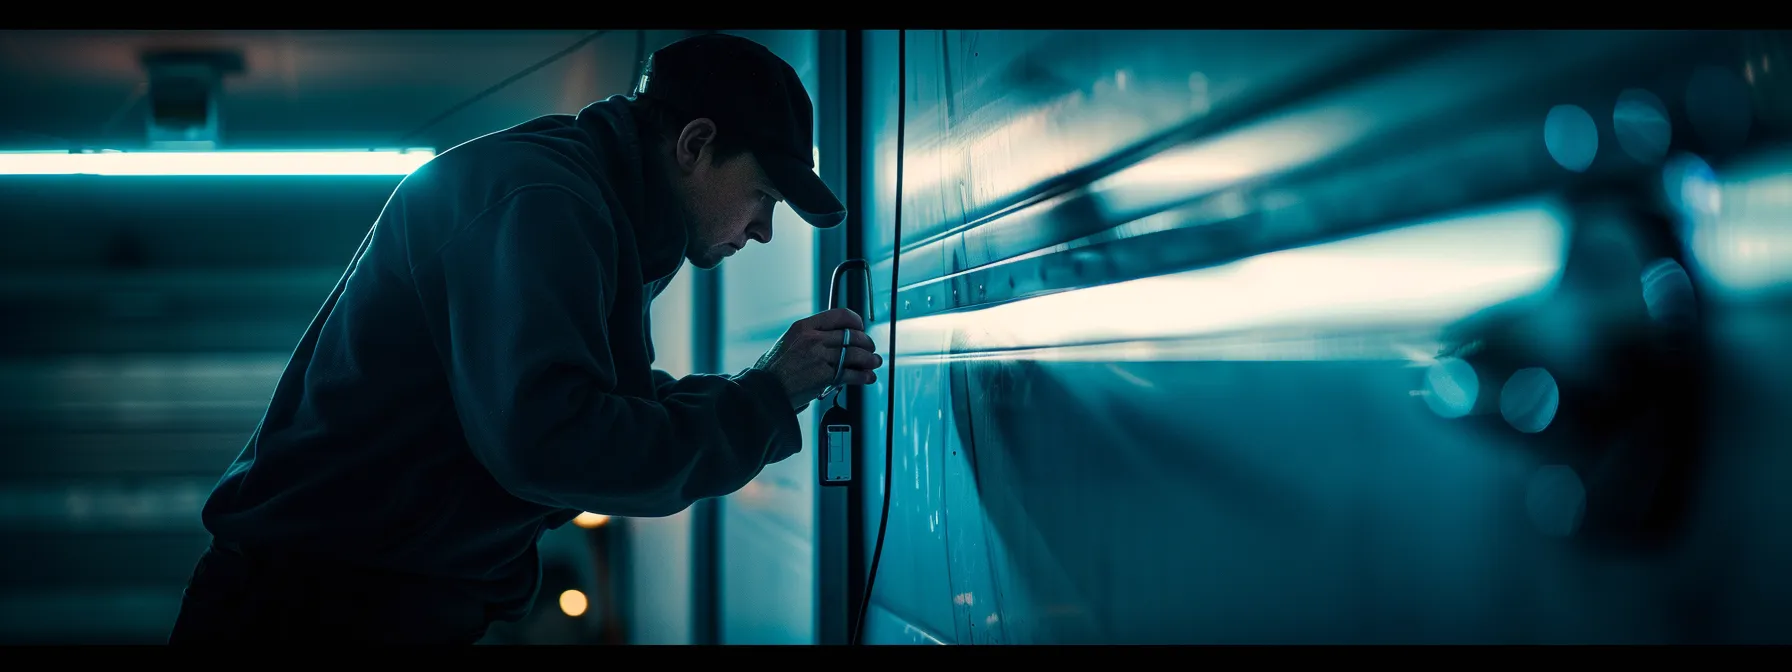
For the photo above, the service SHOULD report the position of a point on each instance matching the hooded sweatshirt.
(482, 373)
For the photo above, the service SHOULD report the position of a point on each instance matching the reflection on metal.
(1480, 78)
(1739, 235)
(887, 628)
(1183, 383)
(1451, 388)
(1415, 347)
(1571, 136)
(1669, 296)
(1640, 120)
(1529, 399)
(1417, 276)
(1690, 187)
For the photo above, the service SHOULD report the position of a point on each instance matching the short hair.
(657, 120)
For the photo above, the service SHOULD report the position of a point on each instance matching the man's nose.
(761, 232)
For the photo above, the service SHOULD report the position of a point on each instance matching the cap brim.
(803, 190)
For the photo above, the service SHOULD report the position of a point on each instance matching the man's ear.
(693, 142)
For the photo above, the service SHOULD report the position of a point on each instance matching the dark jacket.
(482, 373)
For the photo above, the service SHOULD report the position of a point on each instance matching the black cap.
(747, 89)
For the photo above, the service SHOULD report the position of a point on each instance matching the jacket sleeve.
(528, 289)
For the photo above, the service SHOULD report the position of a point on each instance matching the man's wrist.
(773, 382)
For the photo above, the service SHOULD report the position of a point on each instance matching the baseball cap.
(746, 89)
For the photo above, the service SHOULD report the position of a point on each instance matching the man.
(481, 373)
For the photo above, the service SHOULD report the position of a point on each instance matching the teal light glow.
(348, 162)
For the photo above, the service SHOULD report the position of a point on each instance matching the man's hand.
(805, 357)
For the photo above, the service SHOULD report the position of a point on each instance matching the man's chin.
(705, 262)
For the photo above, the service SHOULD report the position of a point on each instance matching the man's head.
(733, 127)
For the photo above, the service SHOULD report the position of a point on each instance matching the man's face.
(726, 204)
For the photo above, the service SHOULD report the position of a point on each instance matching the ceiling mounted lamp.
(184, 134)
(184, 89)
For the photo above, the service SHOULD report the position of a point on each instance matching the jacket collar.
(639, 181)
